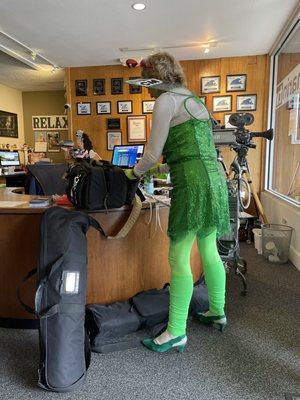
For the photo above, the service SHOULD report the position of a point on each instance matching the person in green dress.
(182, 133)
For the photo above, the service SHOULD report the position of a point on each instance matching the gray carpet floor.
(255, 358)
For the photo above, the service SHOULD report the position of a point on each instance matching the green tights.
(181, 288)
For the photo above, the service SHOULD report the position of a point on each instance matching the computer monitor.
(9, 158)
(126, 156)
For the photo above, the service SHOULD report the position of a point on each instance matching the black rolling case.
(61, 298)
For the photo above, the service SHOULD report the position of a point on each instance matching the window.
(284, 151)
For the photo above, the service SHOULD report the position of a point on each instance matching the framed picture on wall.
(40, 141)
(113, 123)
(53, 139)
(114, 138)
(210, 84)
(133, 89)
(8, 124)
(103, 107)
(222, 103)
(136, 129)
(246, 102)
(148, 106)
(124, 107)
(117, 86)
(83, 108)
(81, 86)
(99, 87)
(236, 83)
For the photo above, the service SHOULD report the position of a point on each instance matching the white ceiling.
(91, 32)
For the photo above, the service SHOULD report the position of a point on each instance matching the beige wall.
(11, 101)
(43, 103)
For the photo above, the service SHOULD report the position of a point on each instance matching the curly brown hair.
(165, 67)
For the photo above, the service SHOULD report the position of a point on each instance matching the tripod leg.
(259, 206)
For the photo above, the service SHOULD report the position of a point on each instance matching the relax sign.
(50, 122)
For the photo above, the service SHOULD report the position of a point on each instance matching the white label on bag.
(70, 282)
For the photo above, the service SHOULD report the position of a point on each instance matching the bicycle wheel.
(244, 194)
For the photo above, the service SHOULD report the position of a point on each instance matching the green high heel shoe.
(217, 321)
(178, 343)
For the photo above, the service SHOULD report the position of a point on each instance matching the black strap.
(87, 349)
(25, 279)
(95, 224)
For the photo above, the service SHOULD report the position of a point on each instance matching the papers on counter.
(8, 204)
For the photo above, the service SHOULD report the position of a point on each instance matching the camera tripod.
(240, 190)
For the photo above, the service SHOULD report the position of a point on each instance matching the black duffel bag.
(105, 322)
(99, 185)
(148, 309)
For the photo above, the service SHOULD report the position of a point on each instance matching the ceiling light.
(138, 6)
(23, 53)
(54, 69)
(206, 50)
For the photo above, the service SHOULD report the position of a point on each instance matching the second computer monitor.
(9, 158)
(126, 156)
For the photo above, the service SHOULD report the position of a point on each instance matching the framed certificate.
(99, 87)
(148, 106)
(81, 87)
(222, 103)
(236, 83)
(84, 108)
(103, 107)
(136, 129)
(125, 107)
(246, 102)
(114, 138)
(210, 84)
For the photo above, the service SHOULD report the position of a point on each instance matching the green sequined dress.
(199, 200)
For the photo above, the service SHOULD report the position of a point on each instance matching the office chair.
(45, 179)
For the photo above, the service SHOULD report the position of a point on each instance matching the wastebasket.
(257, 239)
(276, 241)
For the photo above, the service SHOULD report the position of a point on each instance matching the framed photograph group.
(136, 128)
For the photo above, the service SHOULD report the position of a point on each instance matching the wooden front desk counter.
(117, 269)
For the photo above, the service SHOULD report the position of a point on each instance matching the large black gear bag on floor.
(61, 298)
(146, 310)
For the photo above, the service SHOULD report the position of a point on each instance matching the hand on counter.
(130, 175)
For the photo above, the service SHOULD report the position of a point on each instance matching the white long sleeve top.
(168, 112)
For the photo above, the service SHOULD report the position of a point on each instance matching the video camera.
(243, 136)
